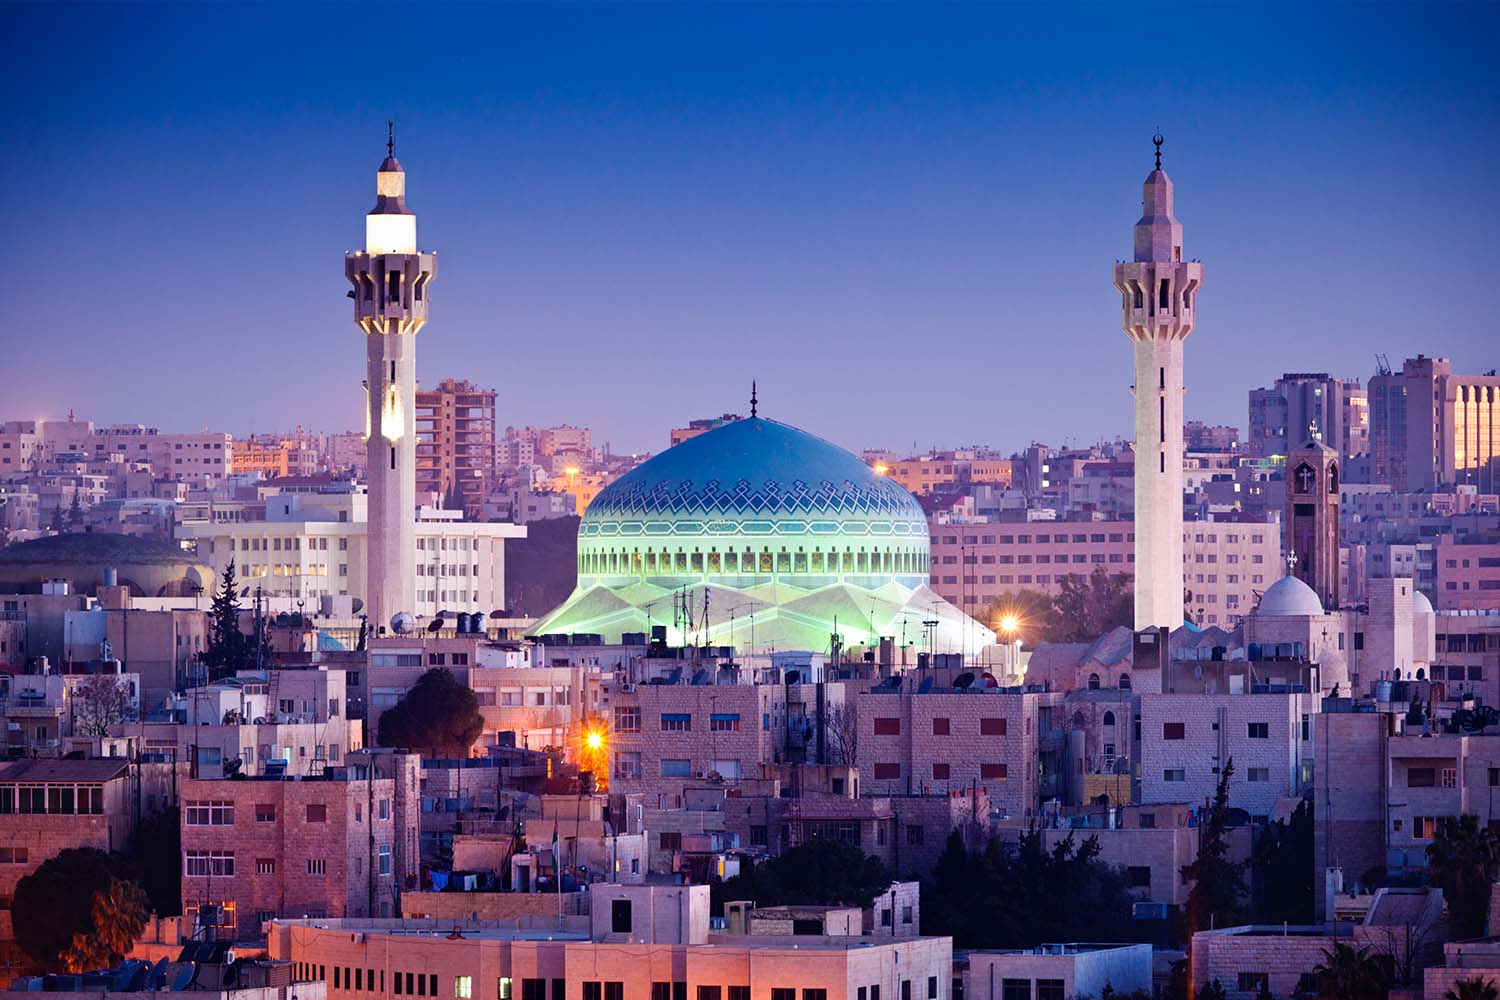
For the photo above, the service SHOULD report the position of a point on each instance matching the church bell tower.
(1312, 517)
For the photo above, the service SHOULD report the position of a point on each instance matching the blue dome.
(754, 467)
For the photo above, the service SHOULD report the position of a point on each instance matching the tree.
(1473, 988)
(1007, 898)
(158, 851)
(75, 513)
(437, 717)
(842, 728)
(100, 702)
(821, 872)
(117, 916)
(1348, 973)
(1032, 611)
(1464, 860)
(1212, 990)
(56, 525)
(1218, 883)
(56, 904)
(1087, 607)
(1282, 870)
(227, 645)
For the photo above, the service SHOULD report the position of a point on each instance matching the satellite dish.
(357, 605)
(244, 591)
(403, 622)
(435, 625)
(183, 978)
(499, 613)
(444, 613)
(963, 680)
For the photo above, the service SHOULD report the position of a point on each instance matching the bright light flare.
(594, 740)
(881, 468)
(1009, 623)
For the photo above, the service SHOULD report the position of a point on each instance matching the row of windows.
(1060, 558)
(1253, 730)
(1255, 775)
(891, 771)
(63, 800)
(765, 562)
(990, 725)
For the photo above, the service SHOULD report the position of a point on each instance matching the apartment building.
(1430, 426)
(1468, 573)
(341, 843)
(1187, 738)
(456, 442)
(1226, 562)
(932, 742)
(638, 943)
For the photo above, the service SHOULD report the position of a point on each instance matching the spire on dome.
(1157, 140)
(754, 403)
(390, 140)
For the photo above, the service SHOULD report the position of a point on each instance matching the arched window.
(1093, 682)
(1124, 682)
(1109, 718)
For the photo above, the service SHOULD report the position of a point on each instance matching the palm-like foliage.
(1475, 988)
(1464, 860)
(1349, 973)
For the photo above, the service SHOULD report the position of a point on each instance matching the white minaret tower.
(391, 282)
(1159, 294)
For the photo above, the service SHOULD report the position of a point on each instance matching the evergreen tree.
(1282, 870)
(56, 525)
(1218, 884)
(438, 717)
(75, 513)
(227, 645)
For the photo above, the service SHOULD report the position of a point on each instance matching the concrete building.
(1432, 427)
(315, 545)
(1057, 971)
(638, 943)
(1159, 298)
(456, 442)
(340, 844)
(391, 290)
(1226, 561)
(1337, 409)
(1468, 573)
(696, 427)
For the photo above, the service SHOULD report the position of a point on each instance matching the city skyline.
(822, 201)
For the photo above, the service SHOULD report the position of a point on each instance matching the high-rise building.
(1159, 299)
(1431, 427)
(456, 442)
(1312, 518)
(391, 279)
(1336, 408)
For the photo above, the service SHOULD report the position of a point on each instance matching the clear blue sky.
(901, 220)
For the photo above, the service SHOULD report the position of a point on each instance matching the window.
(887, 771)
(724, 722)
(265, 866)
(992, 726)
(784, 993)
(1258, 774)
(619, 912)
(536, 989)
(739, 993)
(209, 863)
(317, 866)
(463, 987)
(628, 719)
(915, 835)
(939, 772)
(1421, 777)
(996, 772)
(14, 855)
(1173, 731)
(676, 768)
(385, 859)
(940, 727)
(1174, 774)
(317, 813)
(1251, 982)
(215, 813)
(670, 840)
(887, 727)
(1050, 989)
(265, 812)
(1259, 730)
(676, 722)
(1138, 876)
(711, 993)
(1015, 989)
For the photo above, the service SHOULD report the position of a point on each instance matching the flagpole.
(557, 871)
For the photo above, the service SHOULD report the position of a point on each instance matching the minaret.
(391, 282)
(1159, 295)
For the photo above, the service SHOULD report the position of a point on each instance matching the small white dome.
(1289, 597)
(1420, 604)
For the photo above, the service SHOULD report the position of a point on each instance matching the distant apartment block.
(1430, 426)
(456, 442)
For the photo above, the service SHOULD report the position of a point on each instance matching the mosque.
(764, 537)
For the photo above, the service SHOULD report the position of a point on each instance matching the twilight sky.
(901, 220)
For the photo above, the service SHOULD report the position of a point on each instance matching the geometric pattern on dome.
(770, 497)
